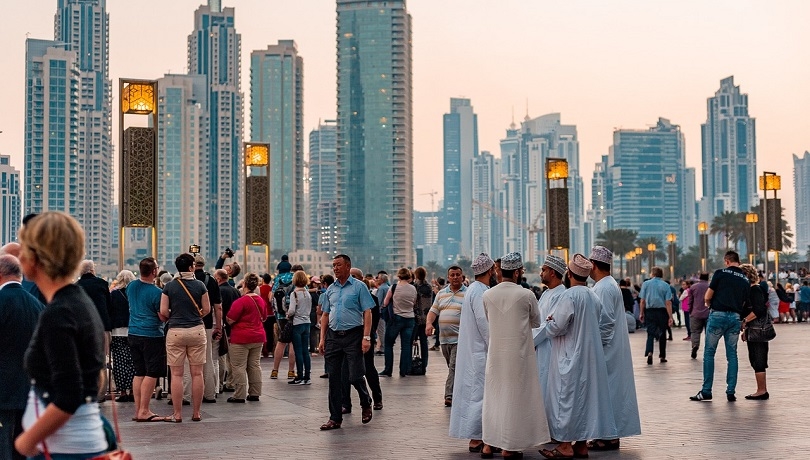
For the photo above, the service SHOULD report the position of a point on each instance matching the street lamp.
(557, 205)
(651, 250)
(704, 244)
(629, 258)
(752, 218)
(638, 251)
(672, 238)
(257, 198)
(771, 211)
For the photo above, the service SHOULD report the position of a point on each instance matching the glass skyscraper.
(323, 187)
(486, 193)
(277, 117)
(10, 202)
(374, 133)
(729, 153)
(801, 188)
(182, 134)
(646, 175)
(51, 128)
(460, 147)
(214, 50)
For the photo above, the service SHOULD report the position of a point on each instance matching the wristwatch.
(367, 337)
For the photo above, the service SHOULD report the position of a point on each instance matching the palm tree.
(433, 268)
(645, 241)
(731, 225)
(620, 241)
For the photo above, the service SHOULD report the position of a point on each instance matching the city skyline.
(674, 82)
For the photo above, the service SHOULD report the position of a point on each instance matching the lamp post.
(752, 218)
(139, 171)
(771, 211)
(557, 205)
(672, 238)
(651, 249)
(703, 227)
(638, 252)
(257, 198)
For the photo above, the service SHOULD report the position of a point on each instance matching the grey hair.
(87, 266)
(124, 278)
(166, 278)
(10, 267)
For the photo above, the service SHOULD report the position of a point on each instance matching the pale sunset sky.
(603, 64)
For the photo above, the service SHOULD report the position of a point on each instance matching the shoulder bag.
(199, 310)
(760, 330)
(257, 308)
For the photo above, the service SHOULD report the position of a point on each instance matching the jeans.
(402, 327)
(449, 352)
(300, 341)
(726, 325)
(687, 322)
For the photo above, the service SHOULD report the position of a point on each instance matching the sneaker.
(274, 374)
(290, 375)
(305, 382)
(700, 396)
(731, 397)
(294, 382)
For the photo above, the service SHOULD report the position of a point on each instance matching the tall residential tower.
(322, 188)
(10, 202)
(801, 188)
(375, 133)
(460, 147)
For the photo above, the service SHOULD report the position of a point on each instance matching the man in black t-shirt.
(727, 294)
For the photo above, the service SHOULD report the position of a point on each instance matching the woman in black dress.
(757, 309)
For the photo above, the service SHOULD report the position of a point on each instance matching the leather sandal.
(330, 425)
(366, 414)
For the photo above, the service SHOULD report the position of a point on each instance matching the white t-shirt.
(300, 307)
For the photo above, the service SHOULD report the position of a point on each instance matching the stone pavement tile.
(413, 424)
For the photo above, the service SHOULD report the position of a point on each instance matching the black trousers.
(345, 346)
(657, 322)
(372, 378)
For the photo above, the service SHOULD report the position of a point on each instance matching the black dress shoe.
(209, 401)
(761, 397)
(253, 398)
(346, 410)
(731, 397)
(228, 390)
(236, 400)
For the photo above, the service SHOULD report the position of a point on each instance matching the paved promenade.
(413, 424)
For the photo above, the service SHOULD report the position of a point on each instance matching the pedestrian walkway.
(413, 424)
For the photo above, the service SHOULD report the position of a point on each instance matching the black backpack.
(424, 300)
(282, 296)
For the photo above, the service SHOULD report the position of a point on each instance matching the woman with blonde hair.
(245, 317)
(66, 354)
(123, 368)
(298, 313)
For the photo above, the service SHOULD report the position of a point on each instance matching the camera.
(194, 249)
(229, 252)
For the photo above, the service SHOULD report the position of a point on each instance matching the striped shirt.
(447, 306)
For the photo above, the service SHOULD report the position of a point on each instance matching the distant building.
(729, 153)
(426, 237)
(183, 169)
(277, 117)
(486, 193)
(801, 188)
(460, 148)
(648, 182)
(322, 190)
(375, 133)
(600, 214)
(214, 51)
(10, 202)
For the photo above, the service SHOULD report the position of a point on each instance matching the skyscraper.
(486, 192)
(460, 147)
(374, 132)
(182, 134)
(214, 50)
(51, 127)
(83, 27)
(801, 188)
(277, 117)
(646, 172)
(523, 161)
(600, 215)
(323, 187)
(729, 153)
(10, 203)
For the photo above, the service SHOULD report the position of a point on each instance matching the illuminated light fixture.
(751, 218)
(257, 154)
(651, 247)
(672, 237)
(556, 169)
(138, 97)
(769, 182)
(639, 251)
(702, 227)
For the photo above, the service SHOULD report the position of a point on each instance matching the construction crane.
(532, 229)
(432, 194)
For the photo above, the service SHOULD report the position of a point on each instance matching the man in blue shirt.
(656, 313)
(803, 301)
(346, 318)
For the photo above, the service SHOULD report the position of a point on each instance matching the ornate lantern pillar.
(257, 198)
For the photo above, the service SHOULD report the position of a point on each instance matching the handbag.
(760, 330)
(416, 361)
(286, 332)
(223, 344)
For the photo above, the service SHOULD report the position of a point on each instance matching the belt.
(347, 331)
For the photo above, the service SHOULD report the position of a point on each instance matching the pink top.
(247, 316)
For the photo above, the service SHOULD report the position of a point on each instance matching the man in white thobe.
(618, 357)
(551, 274)
(471, 359)
(513, 413)
(577, 374)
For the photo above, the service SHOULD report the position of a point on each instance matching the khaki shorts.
(182, 342)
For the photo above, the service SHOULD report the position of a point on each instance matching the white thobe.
(618, 357)
(471, 362)
(543, 346)
(577, 375)
(513, 413)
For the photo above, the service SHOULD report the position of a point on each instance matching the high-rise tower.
(82, 26)
(460, 147)
(374, 133)
(10, 202)
(801, 188)
(277, 117)
(214, 50)
(323, 187)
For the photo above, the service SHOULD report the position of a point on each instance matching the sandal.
(477, 448)
(554, 453)
(197, 418)
(330, 425)
(172, 419)
(603, 444)
(512, 454)
(151, 418)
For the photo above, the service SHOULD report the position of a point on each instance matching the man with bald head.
(29, 286)
(19, 312)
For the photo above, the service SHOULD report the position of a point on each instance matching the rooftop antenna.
(527, 118)
(513, 125)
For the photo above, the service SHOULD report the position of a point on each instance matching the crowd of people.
(202, 334)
